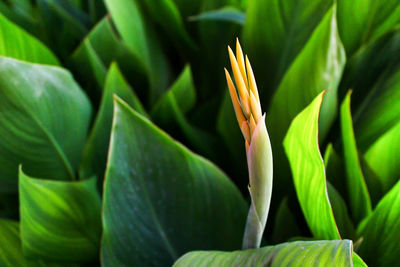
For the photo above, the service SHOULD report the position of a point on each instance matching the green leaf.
(60, 220)
(183, 91)
(379, 112)
(11, 251)
(158, 207)
(10, 244)
(365, 68)
(275, 32)
(383, 157)
(335, 170)
(44, 122)
(369, 20)
(294, 254)
(358, 262)
(285, 225)
(381, 231)
(321, 61)
(360, 202)
(227, 13)
(97, 51)
(340, 212)
(169, 113)
(95, 153)
(142, 41)
(18, 44)
(166, 14)
(301, 146)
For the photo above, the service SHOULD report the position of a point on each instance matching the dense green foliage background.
(119, 145)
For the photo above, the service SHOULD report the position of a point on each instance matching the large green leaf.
(301, 145)
(95, 152)
(381, 232)
(43, 124)
(318, 67)
(295, 254)
(165, 202)
(321, 61)
(141, 39)
(275, 32)
(60, 220)
(16, 43)
(360, 21)
(360, 202)
(383, 157)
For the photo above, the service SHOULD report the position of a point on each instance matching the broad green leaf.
(18, 44)
(301, 146)
(95, 54)
(379, 112)
(60, 220)
(228, 13)
(381, 232)
(141, 39)
(276, 31)
(383, 157)
(95, 153)
(360, 21)
(169, 113)
(318, 67)
(293, 254)
(360, 202)
(43, 124)
(285, 225)
(158, 207)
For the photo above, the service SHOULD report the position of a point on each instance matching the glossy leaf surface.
(301, 146)
(158, 207)
(360, 202)
(68, 227)
(294, 254)
(43, 124)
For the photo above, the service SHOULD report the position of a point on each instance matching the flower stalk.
(246, 103)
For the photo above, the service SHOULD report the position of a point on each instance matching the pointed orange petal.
(255, 107)
(252, 125)
(236, 106)
(244, 95)
(240, 60)
(252, 80)
(245, 130)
